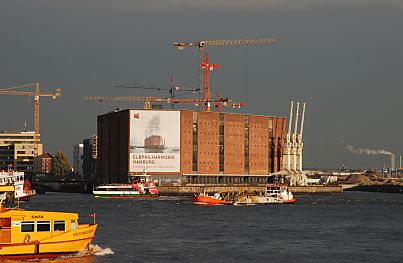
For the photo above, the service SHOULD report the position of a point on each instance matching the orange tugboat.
(272, 195)
(211, 200)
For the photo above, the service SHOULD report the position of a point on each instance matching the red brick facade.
(210, 143)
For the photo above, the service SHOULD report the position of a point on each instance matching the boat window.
(59, 225)
(43, 226)
(73, 225)
(27, 226)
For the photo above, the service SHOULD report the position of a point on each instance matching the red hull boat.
(210, 200)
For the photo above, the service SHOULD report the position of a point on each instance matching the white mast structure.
(293, 144)
(288, 143)
(299, 139)
(294, 165)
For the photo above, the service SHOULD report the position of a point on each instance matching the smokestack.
(290, 120)
(296, 119)
(301, 129)
(392, 163)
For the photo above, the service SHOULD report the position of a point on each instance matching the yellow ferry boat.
(37, 234)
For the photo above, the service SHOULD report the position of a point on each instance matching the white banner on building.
(154, 141)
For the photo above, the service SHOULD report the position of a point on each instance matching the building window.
(246, 138)
(195, 142)
(221, 144)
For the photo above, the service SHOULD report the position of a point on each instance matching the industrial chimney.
(392, 164)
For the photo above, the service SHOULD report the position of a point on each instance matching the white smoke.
(367, 151)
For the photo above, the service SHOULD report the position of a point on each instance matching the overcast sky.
(343, 58)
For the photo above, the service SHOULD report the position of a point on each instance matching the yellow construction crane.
(235, 42)
(205, 67)
(36, 95)
(148, 100)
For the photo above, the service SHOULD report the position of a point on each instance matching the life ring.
(27, 239)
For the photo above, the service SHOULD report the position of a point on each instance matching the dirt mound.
(358, 179)
(392, 181)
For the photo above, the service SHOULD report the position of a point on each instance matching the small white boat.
(272, 195)
(22, 188)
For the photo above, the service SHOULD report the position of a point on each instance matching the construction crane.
(206, 67)
(36, 95)
(172, 90)
(235, 42)
(148, 100)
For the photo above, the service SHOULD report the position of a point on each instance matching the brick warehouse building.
(185, 142)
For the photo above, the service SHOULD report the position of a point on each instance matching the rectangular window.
(28, 226)
(59, 225)
(246, 143)
(221, 145)
(195, 141)
(43, 226)
(73, 225)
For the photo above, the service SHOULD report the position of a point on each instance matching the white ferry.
(139, 186)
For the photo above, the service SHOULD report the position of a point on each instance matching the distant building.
(175, 143)
(78, 159)
(90, 156)
(17, 150)
(46, 163)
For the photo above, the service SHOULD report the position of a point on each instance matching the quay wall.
(385, 188)
(317, 189)
(213, 188)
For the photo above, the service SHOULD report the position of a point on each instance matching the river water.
(347, 227)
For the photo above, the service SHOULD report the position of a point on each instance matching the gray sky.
(344, 58)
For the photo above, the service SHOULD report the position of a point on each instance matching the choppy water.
(349, 227)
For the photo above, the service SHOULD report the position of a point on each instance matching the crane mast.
(36, 95)
(204, 71)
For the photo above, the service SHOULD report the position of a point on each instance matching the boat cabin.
(139, 178)
(275, 190)
(10, 178)
(20, 226)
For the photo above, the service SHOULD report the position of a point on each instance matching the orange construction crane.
(36, 95)
(205, 68)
